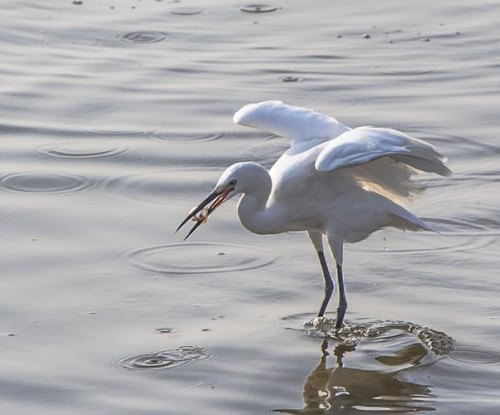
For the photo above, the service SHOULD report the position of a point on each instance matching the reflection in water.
(339, 389)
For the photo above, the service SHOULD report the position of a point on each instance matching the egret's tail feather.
(405, 220)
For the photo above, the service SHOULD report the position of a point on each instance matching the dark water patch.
(393, 31)
(265, 48)
(80, 150)
(89, 39)
(411, 73)
(165, 330)
(113, 132)
(466, 146)
(324, 57)
(36, 183)
(98, 108)
(402, 36)
(41, 131)
(428, 37)
(81, 110)
(258, 8)
(187, 11)
(168, 359)
(266, 152)
(290, 79)
(72, 41)
(148, 188)
(478, 227)
(142, 37)
(199, 258)
(428, 244)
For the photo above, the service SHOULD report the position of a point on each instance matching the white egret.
(333, 181)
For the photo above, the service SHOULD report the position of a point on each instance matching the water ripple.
(425, 244)
(166, 135)
(80, 150)
(114, 132)
(258, 8)
(142, 37)
(266, 152)
(187, 11)
(391, 337)
(44, 183)
(71, 41)
(168, 359)
(199, 258)
(163, 187)
(475, 355)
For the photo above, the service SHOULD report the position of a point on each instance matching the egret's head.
(235, 180)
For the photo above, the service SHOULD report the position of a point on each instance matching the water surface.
(116, 118)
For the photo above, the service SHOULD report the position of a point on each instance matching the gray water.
(116, 118)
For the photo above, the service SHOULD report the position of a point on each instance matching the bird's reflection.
(342, 390)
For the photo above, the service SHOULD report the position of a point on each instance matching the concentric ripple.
(199, 258)
(142, 37)
(187, 11)
(44, 183)
(258, 8)
(80, 150)
(391, 336)
(166, 135)
(168, 359)
(430, 244)
(475, 355)
(161, 188)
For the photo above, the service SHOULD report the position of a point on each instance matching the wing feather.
(300, 125)
(364, 144)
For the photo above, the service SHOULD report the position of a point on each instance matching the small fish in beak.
(200, 213)
(201, 216)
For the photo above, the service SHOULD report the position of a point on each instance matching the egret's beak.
(217, 196)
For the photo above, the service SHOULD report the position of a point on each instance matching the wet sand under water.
(116, 118)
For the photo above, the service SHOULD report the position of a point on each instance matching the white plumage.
(334, 181)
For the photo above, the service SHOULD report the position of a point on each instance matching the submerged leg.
(342, 298)
(328, 288)
(337, 249)
(317, 240)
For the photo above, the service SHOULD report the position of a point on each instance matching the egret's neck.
(252, 207)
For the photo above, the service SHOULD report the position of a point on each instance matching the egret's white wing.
(364, 144)
(300, 125)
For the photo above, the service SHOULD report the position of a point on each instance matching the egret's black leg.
(328, 284)
(342, 298)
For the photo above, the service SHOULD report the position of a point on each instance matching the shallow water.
(115, 119)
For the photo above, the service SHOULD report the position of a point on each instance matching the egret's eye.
(232, 183)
